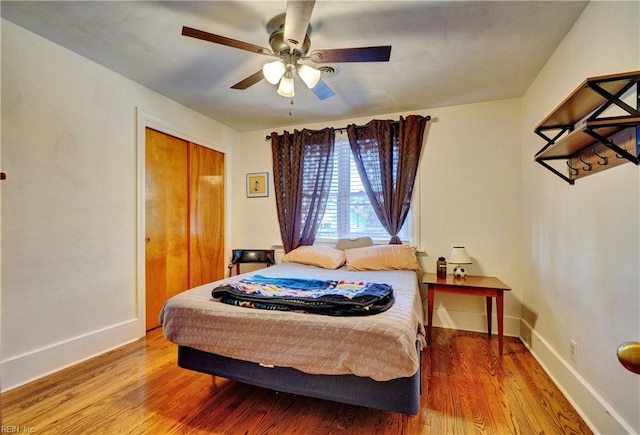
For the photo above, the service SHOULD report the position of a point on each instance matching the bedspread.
(381, 346)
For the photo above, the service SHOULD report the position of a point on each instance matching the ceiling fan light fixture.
(289, 41)
(286, 88)
(309, 75)
(273, 71)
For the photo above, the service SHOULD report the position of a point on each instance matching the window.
(349, 213)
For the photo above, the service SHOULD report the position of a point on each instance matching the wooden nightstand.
(487, 286)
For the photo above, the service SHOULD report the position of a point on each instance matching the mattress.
(381, 347)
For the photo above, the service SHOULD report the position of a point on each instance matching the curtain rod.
(343, 129)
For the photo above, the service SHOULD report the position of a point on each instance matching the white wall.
(70, 241)
(468, 190)
(581, 242)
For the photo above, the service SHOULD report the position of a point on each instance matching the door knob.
(629, 356)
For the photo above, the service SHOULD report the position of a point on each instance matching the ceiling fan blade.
(360, 54)
(322, 91)
(296, 22)
(249, 81)
(223, 40)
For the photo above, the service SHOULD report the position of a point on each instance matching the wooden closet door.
(206, 228)
(166, 221)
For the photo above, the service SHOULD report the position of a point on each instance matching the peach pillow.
(382, 257)
(321, 256)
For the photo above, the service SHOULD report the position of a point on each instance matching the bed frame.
(397, 395)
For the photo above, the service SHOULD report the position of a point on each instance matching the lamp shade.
(309, 75)
(459, 256)
(286, 86)
(273, 71)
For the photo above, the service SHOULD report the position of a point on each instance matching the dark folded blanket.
(334, 298)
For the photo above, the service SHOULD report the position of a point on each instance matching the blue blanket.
(336, 298)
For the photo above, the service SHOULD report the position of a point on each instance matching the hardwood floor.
(139, 389)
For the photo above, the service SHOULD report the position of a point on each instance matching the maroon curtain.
(302, 170)
(386, 155)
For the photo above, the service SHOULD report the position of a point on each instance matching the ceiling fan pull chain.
(291, 108)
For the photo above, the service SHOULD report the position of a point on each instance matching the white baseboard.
(473, 321)
(21, 369)
(595, 411)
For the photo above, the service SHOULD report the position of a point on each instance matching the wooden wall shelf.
(580, 131)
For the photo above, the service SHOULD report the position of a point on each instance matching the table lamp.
(459, 257)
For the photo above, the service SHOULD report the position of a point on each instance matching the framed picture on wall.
(258, 185)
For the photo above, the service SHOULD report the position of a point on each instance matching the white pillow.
(382, 257)
(321, 256)
(360, 242)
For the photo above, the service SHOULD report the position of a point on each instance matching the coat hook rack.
(587, 166)
(602, 160)
(620, 156)
(582, 122)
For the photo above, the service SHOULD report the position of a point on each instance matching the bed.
(371, 361)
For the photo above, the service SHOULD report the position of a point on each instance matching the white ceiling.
(444, 52)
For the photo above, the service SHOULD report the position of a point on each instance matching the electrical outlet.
(573, 350)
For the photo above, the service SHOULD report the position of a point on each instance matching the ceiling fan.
(290, 43)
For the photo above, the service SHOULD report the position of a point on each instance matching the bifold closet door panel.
(166, 220)
(206, 214)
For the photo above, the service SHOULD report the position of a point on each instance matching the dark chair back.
(240, 256)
